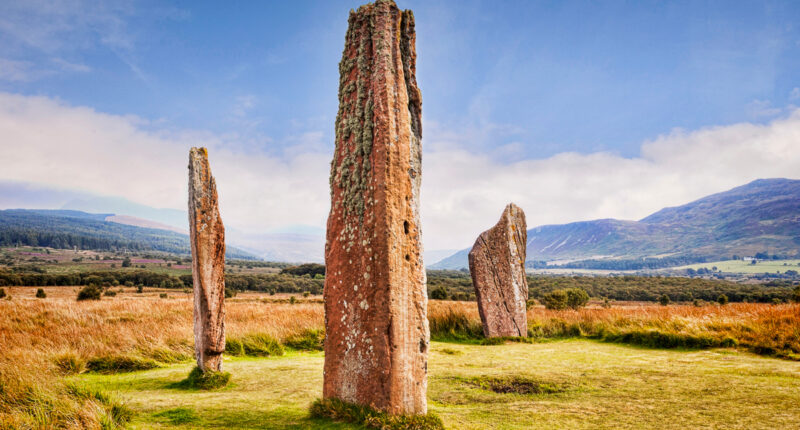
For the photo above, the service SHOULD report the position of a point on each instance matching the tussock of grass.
(69, 363)
(114, 413)
(453, 325)
(199, 380)
(307, 340)
(253, 344)
(337, 410)
(516, 385)
(120, 363)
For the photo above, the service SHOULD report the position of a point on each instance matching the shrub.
(90, 292)
(40, 294)
(577, 298)
(795, 294)
(663, 300)
(439, 293)
(163, 295)
(126, 262)
(556, 300)
(229, 292)
(306, 294)
(2, 293)
(140, 289)
(208, 380)
(722, 299)
(110, 293)
(338, 410)
(292, 300)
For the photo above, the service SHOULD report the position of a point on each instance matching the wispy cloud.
(463, 192)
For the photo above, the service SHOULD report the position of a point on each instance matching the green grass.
(337, 410)
(740, 266)
(565, 384)
(199, 380)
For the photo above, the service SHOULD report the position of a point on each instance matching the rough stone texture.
(497, 266)
(208, 263)
(377, 335)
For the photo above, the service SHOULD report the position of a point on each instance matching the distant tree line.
(630, 264)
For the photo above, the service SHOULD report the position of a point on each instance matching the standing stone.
(377, 334)
(208, 263)
(497, 266)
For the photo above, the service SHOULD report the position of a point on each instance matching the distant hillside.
(762, 216)
(66, 229)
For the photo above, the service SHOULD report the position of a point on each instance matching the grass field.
(594, 385)
(741, 266)
(583, 366)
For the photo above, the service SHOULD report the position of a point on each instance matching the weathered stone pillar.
(497, 266)
(377, 334)
(207, 235)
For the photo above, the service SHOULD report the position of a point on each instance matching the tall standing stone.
(208, 263)
(497, 266)
(377, 334)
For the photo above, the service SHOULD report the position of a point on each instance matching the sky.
(573, 110)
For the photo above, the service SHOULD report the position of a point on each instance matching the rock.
(497, 266)
(377, 335)
(207, 236)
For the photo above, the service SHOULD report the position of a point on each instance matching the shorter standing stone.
(207, 235)
(497, 266)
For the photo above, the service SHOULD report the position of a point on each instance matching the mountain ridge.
(763, 215)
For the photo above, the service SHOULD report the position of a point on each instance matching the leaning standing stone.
(497, 266)
(208, 263)
(376, 344)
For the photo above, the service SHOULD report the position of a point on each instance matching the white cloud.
(45, 141)
(464, 193)
(76, 148)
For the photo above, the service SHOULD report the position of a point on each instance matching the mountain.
(762, 216)
(66, 229)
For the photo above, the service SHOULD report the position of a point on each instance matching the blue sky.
(546, 76)
(563, 107)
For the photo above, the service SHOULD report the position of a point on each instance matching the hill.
(760, 217)
(67, 229)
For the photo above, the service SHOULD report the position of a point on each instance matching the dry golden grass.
(761, 328)
(37, 333)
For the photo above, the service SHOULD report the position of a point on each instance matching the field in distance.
(746, 266)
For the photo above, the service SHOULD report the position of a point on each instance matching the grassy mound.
(338, 410)
(199, 380)
(120, 363)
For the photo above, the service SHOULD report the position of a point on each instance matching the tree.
(664, 300)
(796, 294)
(555, 300)
(40, 294)
(2, 293)
(722, 299)
(126, 262)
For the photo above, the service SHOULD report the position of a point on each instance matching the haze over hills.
(762, 216)
(65, 229)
